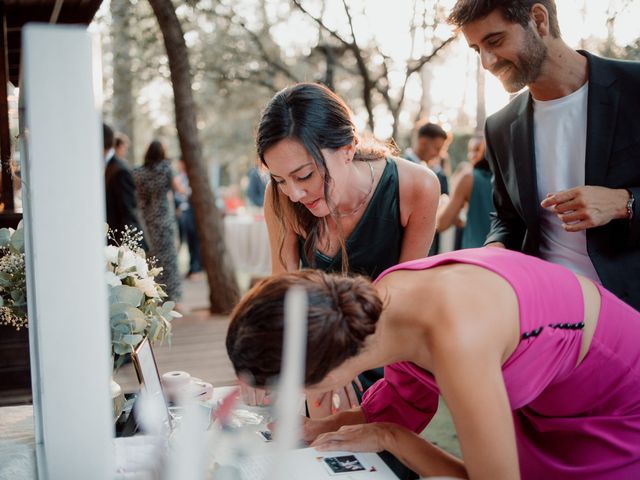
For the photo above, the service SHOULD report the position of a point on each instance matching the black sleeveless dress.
(375, 243)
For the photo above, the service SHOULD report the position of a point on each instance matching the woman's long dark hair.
(155, 154)
(316, 117)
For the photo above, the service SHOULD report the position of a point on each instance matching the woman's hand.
(370, 437)
(311, 428)
(254, 397)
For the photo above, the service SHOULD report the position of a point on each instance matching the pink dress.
(571, 423)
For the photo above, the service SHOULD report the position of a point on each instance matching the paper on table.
(308, 463)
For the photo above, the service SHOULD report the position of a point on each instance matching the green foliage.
(13, 282)
(136, 307)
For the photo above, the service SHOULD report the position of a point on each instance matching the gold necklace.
(364, 200)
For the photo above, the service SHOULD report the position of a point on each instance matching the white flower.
(154, 272)
(111, 252)
(112, 279)
(141, 266)
(128, 261)
(148, 286)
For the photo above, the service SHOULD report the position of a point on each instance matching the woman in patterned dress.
(154, 184)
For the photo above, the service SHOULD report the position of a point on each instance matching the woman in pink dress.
(539, 367)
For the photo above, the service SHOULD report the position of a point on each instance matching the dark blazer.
(120, 196)
(612, 161)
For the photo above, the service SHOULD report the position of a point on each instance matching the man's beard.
(530, 61)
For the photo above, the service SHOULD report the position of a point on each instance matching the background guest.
(471, 187)
(154, 181)
(258, 179)
(186, 219)
(121, 145)
(429, 141)
(120, 189)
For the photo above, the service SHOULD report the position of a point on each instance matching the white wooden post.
(64, 224)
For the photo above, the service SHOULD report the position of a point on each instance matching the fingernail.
(316, 403)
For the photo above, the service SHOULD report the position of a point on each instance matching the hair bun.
(358, 308)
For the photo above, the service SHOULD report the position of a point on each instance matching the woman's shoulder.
(463, 168)
(417, 180)
(413, 172)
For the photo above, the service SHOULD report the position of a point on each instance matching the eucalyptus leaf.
(5, 237)
(18, 297)
(125, 294)
(17, 240)
(121, 328)
(153, 332)
(118, 308)
(168, 306)
(132, 340)
(6, 280)
(138, 320)
(121, 349)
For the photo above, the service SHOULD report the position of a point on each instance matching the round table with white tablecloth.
(247, 242)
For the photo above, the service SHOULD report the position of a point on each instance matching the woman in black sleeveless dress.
(336, 202)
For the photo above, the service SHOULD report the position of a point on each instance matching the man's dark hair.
(516, 11)
(431, 130)
(107, 136)
(120, 139)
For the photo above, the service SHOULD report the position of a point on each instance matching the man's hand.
(585, 207)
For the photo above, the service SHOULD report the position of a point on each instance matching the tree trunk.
(122, 41)
(223, 289)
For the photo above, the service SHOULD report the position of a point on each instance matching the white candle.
(288, 432)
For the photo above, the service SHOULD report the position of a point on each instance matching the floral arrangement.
(137, 309)
(13, 281)
(136, 306)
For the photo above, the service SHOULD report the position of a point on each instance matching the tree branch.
(417, 64)
(275, 64)
(320, 23)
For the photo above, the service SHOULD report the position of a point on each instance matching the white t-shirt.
(560, 137)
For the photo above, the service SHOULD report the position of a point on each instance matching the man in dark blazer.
(565, 155)
(119, 188)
